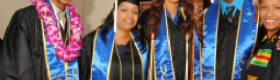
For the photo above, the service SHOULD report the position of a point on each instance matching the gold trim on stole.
(169, 44)
(187, 50)
(193, 56)
(45, 52)
(187, 47)
(236, 44)
(139, 53)
(152, 70)
(152, 51)
(200, 48)
(257, 32)
(187, 59)
(92, 59)
(110, 62)
(66, 70)
(216, 40)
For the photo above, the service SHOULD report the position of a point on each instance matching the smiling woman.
(269, 15)
(119, 55)
(264, 64)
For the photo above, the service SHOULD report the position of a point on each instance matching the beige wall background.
(92, 12)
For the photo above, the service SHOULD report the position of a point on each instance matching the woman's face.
(64, 1)
(127, 16)
(172, 1)
(270, 14)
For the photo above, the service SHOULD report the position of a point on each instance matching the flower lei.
(62, 52)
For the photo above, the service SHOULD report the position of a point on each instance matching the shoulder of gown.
(85, 58)
(0, 43)
(87, 43)
(22, 20)
(15, 58)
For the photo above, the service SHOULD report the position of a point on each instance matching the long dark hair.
(206, 3)
(109, 22)
(191, 15)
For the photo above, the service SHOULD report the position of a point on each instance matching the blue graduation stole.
(102, 56)
(58, 69)
(161, 56)
(161, 64)
(205, 66)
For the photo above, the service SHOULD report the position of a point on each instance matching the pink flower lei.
(62, 52)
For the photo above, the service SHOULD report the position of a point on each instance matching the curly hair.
(109, 22)
(191, 15)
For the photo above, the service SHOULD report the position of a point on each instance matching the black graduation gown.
(1, 43)
(177, 43)
(85, 61)
(226, 45)
(273, 69)
(270, 72)
(22, 54)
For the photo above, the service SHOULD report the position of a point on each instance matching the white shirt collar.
(60, 13)
(58, 10)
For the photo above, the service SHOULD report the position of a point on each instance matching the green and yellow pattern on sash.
(262, 58)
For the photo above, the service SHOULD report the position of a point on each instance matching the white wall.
(92, 12)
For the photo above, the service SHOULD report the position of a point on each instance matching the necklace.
(67, 53)
(120, 62)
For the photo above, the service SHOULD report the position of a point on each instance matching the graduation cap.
(117, 2)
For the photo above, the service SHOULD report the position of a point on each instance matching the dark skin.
(229, 1)
(61, 4)
(256, 3)
(127, 19)
(171, 6)
(278, 44)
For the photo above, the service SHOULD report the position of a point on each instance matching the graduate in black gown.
(170, 27)
(41, 42)
(119, 55)
(229, 30)
(264, 64)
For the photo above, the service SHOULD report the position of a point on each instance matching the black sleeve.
(85, 58)
(273, 69)
(0, 43)
(15, 58)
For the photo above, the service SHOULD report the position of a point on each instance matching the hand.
(278, 43)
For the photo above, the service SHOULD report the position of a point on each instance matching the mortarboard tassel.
(115, 17)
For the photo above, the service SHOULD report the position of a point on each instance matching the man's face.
(64, 1)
